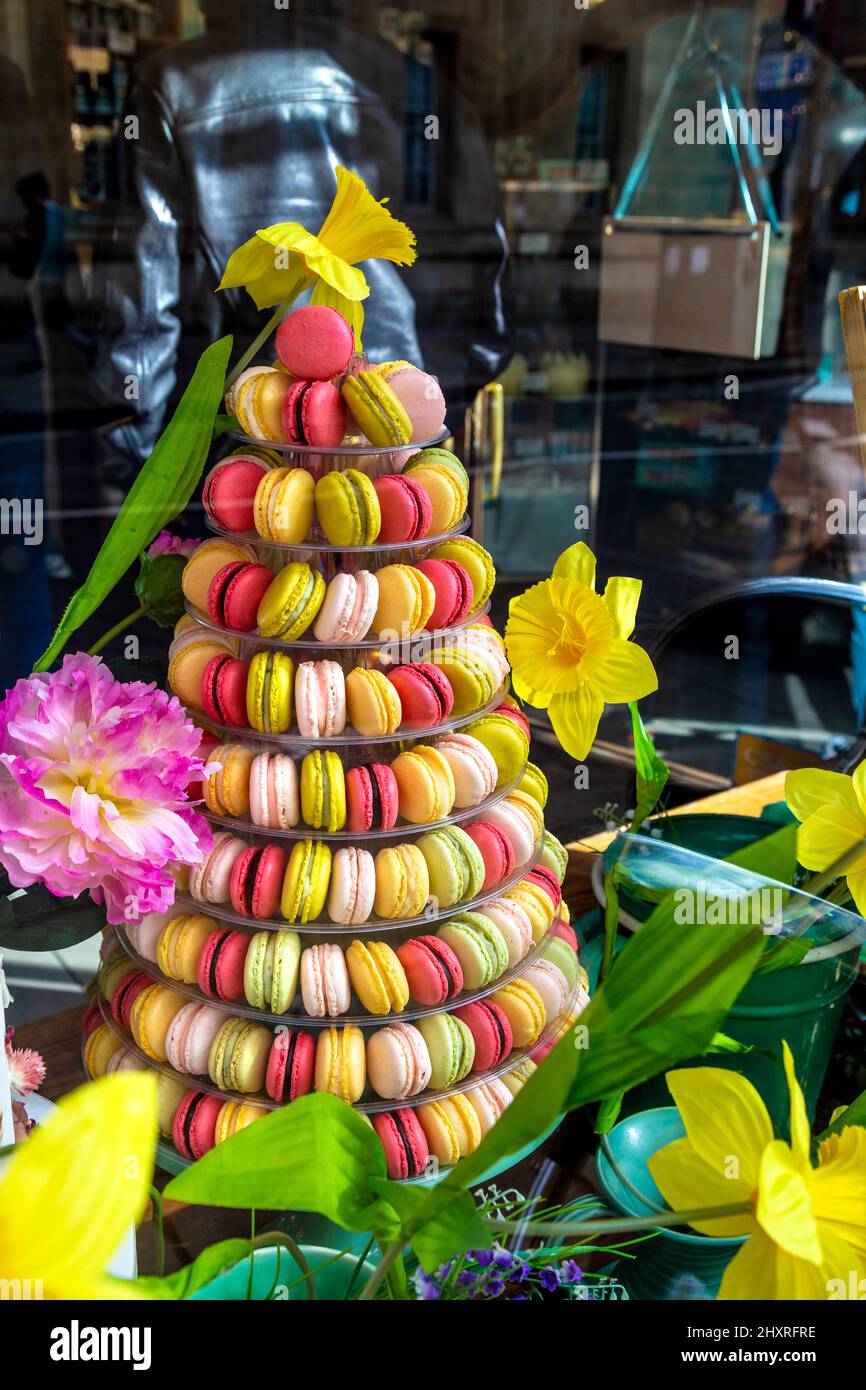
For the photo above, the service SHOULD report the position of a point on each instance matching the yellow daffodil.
(832, 809)
(806, 1226)
(280, 261)
(569, 650)
(70, 1192)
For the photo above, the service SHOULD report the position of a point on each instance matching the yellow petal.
(688, 1183)
(577, 563)
(351, 309)
(725, 1119)
(808, 789)
(829, 834)
(248, 262)
(801, 1131)
(784, 1207)
(838, 1187)
(318, 258)
(575, 718)
(627, 673)
(70, 1194)
(857, 885)
(358, 228)
(622, 597)
(557, 638)
(858, 781)
(761, 1272)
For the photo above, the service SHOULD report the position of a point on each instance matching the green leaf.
(185, 1282)
(161, 490)
(608, 1113)
(158, 588)
(722, 1042)
(611, 921)
(775, 856)
(651, 772)
(461, 1226)
(316, 1154)
(666, 997)
(854, 1114)
(791, 951)
(222, 424)
(35, 920)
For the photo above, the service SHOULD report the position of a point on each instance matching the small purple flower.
(465, 1278)
(549, 1279)
(425, 1285)
(502, 1259)
(167, 544)
(520, 1271)
(571, 1272)
(444, 1270)
(484, 1258)
(494, 1288)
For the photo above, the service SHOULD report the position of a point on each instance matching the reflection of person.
(242, 128)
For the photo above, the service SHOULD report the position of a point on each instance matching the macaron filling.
(411, 1166)
(295, 613)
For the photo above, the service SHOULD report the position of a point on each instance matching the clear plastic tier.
(389, 649)
(392, 552)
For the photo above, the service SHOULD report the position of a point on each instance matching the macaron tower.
(380, 915)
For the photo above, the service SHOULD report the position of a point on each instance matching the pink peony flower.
(167, 544)
(93, 782)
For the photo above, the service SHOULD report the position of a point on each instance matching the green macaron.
(554, 856)
(558, 952)
(443, 457)
(451, 1047)
(454, 864)
(479, 946)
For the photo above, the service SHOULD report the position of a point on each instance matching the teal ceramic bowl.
(274, 1268)
(675, 1264)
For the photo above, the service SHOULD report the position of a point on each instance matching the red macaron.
(93, 1018)
(224, 689)
(315, 342)
(425, 694)
(495, 849)
(257, 880)
(371, 798)
(313, 412)
(406, 1150)
(491, 1031)
(125, 996)
(512, 712)
(235, 593)
(546, 879)
(228, 492)
(194, 1129)
(291, 1065)
(207, 742)
(221, 964)
(433, 972)
(567, 932)
(405, 506)
(454, 591)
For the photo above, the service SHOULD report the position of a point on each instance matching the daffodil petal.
(838, 1187)
(577, 563)
(725, 1119)
(784, 1208)
(688, 1183)
(250, 261)
(70, 1193)
(575, 718)
(801, 1131)
(761, 1272)
(351, 309)
(627, 673)
(622, 597)
(808, 789)
(318, 258)
(857, 885)
(828, 835)
(359, 228)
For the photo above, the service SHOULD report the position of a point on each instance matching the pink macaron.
(348, 609)
(315, 342)
(194, 1129)
(189, 1037)
(221, 964)
(229, 489)
(210, 881)
(291, 1065)
(491, 1031)
(551, 984)
(313, 412)
(495, 849)
(405, 506)
(257, 880)
(490, 1100)
(125, 995)
(274, 797)
(320, 699)
(372, 798)
(514, 926)
(398, 1063)
(144, 935)
(425, 694)
(407, 1152)
(516, 827)
(235, 592)
(567, 932)
(421, 397)
(473, 767)
(223, 689)
(352, 888)
(515, 714)
(325, 987)
(432, 970)
(546, 879)
(454, 591)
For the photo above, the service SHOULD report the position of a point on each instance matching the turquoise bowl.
(674, 1264)
(275, 1266)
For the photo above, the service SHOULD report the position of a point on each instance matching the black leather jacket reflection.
(236, 131)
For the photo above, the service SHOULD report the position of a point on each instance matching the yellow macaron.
(283, 505)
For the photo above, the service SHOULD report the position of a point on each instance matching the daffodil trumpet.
(280, 262)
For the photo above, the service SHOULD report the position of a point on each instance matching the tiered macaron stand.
(354, 750)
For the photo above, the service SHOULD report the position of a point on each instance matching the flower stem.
(266, 332)
(158, 1230)
(602, 1225)
(118, 627)
(380, 1273)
